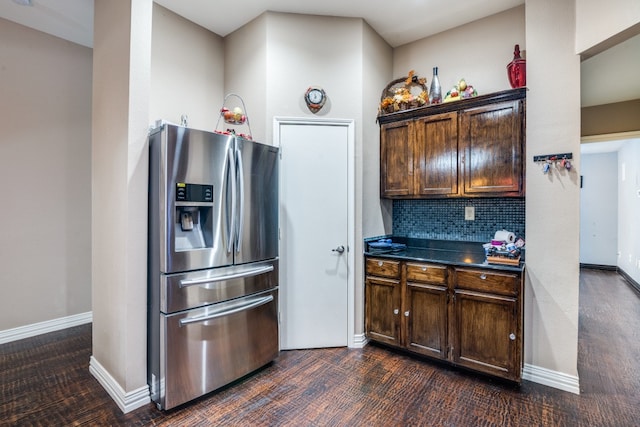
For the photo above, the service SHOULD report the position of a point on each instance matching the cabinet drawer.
(485, 281)
(383, 267)
(429, 273)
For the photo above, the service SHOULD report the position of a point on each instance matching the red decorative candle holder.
(517, 70)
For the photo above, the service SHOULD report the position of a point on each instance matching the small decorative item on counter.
(507, 253)
(435, 91)
(403, 94)
(461, 90)
(517, 69)
(504, 236)
(504, 248)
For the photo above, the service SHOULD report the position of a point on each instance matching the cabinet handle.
(396, 311)
(512, 336)
(483, 276)
(406, 314)
(380, 263)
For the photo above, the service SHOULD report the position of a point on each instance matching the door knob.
(339, 249)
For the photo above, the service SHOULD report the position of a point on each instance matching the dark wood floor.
(45, 381)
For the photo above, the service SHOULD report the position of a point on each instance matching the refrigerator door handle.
(240, 172)
(236, 275)
(231, 164)
(244, 306)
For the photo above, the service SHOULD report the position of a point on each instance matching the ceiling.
(607, 77)
(611, 76)
(68, 19)
(398, 22)
(605, 146)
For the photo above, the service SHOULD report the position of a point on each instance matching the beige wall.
(333, 61)
(611, 76)
(611, 118)
(45, 155)
(374, 218)
(272, 70)
(552, 209)
(604, 22)
(245, 67)
(119, 170)
(478, 52)
(377, 72)
(187, 71)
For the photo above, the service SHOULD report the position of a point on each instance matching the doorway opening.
(610, 205)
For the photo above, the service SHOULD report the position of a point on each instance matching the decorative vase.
(435, 91)
(517, 69)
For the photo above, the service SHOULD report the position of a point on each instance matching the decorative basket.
(233, 115)
(404, 94)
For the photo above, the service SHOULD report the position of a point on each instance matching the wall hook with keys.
(562, 160)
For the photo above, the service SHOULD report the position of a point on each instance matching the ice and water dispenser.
(193, 216)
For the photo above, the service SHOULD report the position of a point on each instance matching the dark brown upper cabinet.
(469, 148)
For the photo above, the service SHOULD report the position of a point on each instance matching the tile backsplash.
(444, 218)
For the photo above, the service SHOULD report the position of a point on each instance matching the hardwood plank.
(45, 381)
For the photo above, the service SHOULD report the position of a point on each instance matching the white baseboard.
(551, 378)
(126, 401)
(359, 341)
(34, 329)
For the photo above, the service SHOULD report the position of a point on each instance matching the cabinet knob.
(512, 336)
(406, 314)
(396, 311)
(483, 276)
(380, 263)
(424, 268)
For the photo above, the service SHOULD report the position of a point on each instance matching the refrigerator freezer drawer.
(199, 288)
(206, 348)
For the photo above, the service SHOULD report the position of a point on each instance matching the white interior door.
(314, 234)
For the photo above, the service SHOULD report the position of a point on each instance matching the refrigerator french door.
(213, 261)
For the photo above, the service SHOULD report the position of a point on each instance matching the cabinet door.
(491, 139)
(436, 155)
(382, 312)
(486, 335)
(396, 160)
(426, 315)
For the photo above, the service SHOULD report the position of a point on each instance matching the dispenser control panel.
(194, 192)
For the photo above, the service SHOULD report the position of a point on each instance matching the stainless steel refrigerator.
(213, 261)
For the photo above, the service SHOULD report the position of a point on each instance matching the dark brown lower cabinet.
(426, 309)
(484, 324)
(469, 317)
(383, 292)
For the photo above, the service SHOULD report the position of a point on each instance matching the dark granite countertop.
(459, 253)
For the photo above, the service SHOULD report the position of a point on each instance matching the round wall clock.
(315, 97)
